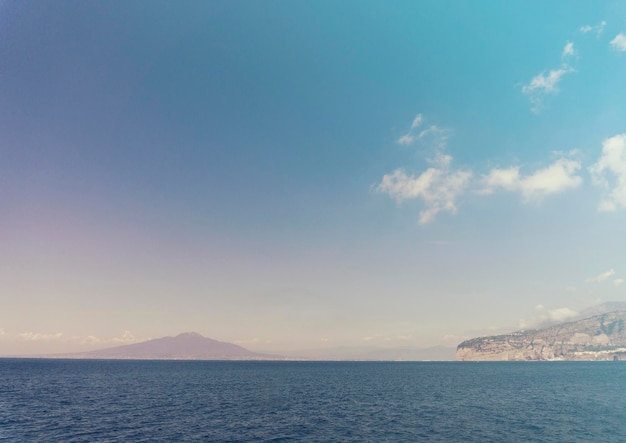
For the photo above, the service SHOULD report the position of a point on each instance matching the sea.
(45, 400)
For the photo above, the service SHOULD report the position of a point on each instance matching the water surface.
(157, 401)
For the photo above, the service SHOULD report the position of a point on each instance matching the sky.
(307, 174)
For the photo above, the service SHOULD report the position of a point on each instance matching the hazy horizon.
(307, 175)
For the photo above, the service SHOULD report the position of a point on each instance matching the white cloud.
(406, 139)
(561, 314)
(438, 187)
(568, 50)
(433, 135)
(609, 172)
(508, 179)
(546, 83)
(417, 121)
(558, 177)
(545, 317)
(543, 84)
(37, 336)
(439, 135)
(410, 136)
(90, 340)
(371, 337)
(619, 42)
(601, 277)
(127, 337)
(430, 130)
(618, 281)
(599, 28)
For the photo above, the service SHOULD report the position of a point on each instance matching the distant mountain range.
(193, 346)
(185, 346)
(599, 337)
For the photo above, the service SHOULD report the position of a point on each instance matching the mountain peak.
(190, 335)
(185, 346)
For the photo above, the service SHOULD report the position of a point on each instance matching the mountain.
(186, 346)
(601, 337)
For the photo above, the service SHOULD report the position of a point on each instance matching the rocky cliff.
(602, 337)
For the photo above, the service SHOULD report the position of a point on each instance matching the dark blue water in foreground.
(150, 401)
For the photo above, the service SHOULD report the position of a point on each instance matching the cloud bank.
(38, 336)
(440, 186)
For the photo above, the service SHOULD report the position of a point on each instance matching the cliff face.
(602, 337)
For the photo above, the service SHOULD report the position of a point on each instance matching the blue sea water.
(187, 401)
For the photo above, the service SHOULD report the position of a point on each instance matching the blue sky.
(290, 175)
